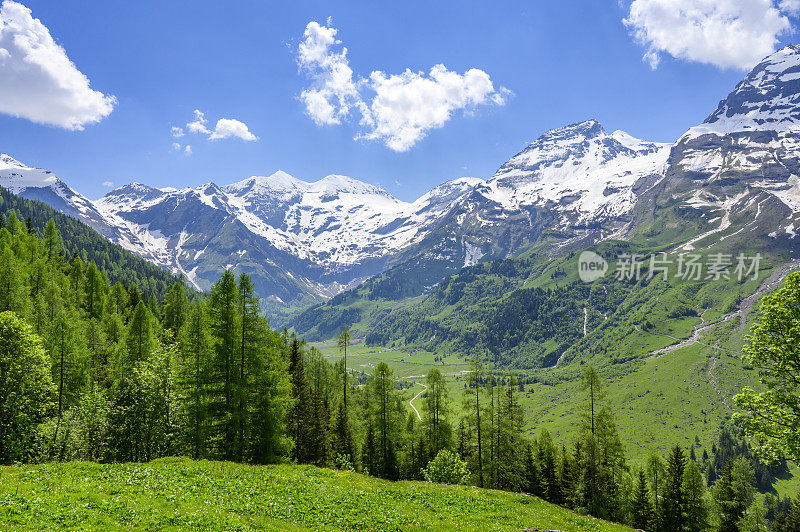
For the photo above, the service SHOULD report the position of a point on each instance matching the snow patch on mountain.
(579, 169)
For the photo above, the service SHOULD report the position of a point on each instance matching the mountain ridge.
(573, 186)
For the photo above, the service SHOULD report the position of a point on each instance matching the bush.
(446, 468)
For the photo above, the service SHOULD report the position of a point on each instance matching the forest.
(97, 368)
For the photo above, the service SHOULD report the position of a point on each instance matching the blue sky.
(562, 62)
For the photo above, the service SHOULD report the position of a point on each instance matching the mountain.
(730, 184)
(736, 174)
(574, 186)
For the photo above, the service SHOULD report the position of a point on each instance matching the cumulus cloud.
(108, 184)
(37, 79)
(725, 33)
(334, 92)
(198, 125)
(187, 150)
(229, 127)
(396, 109)
(224, 128)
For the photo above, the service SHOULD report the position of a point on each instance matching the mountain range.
(574, 186)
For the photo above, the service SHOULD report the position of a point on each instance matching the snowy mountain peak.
(16, 176)
(768, 99)
(130, 196)
(339, 184)
(7, 161)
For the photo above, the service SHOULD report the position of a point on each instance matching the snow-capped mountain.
(573, 186)
(739, 169)
(580, 171)
(42, 185)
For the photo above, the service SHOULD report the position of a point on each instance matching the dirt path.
(411, 402)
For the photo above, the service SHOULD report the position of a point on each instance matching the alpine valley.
(491, 267)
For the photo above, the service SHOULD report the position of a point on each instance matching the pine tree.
(436, 408)
(301, 417)
(641, 508)
(548, 464)
(695, 512)
(369, 452)
(176, 305)
(473, 407)
(195, 347)
(139, 340)
(52, 239)
(385, 397)
(343, 435)
(674, 503)
(656, 474)
(730, 508)
(592, 385)
(344, 341)
(223, 320)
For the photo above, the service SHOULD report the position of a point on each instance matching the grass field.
(179, 494)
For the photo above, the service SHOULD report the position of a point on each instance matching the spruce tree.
(674, 503)
(301, 417)
(694, 490)
(641, 507)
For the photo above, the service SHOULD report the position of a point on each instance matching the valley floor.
(178, 494)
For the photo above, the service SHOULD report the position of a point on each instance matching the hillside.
(79, 239)
(180, 493)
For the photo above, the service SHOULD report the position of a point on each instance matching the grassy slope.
(173, 494)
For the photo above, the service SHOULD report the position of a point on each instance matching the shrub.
(446, 468)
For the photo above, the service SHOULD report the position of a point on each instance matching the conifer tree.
(436, 408)
(223, 320)
(195, 347)
(52, 239)
(730, 507)
(693, 487)
(473, 407)
(301, 416)
(641, 508)
(139, 340)
(674, 503)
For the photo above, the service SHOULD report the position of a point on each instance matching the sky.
(403, 95)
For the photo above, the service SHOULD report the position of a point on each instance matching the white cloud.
(108, 184)
(725, 33)
(334, 93)
(224, 128)
(790, 7)
(37, 79)
(407, 105)
(397, 109)
(199, 123)
(228, 127)
(177, 146)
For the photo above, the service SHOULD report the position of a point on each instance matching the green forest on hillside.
(94, 370)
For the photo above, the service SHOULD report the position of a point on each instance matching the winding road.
(411, 402)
